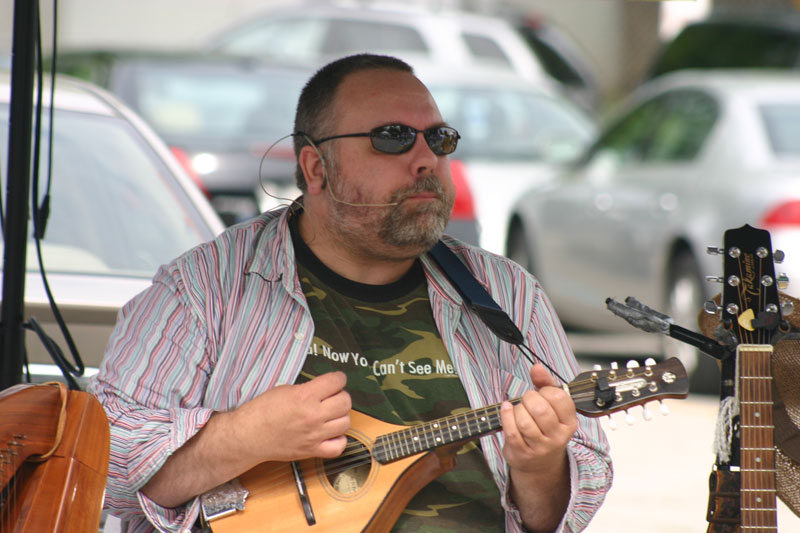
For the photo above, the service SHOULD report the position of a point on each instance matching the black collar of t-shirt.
(354, 289)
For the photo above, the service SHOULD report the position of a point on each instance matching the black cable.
(40, 214)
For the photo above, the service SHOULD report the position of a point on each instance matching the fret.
(414, 443)
(757, 493)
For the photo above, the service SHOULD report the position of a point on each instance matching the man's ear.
(313, 165)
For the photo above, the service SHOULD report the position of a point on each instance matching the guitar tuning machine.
(778, 256)
(712, 308)
(787, 308)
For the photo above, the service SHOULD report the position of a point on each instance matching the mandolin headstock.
(602, 392)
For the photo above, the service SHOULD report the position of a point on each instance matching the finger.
(541, 377)
(326, 385)
(535, 416)
(562, 404)
(332, 447)
(509, 423)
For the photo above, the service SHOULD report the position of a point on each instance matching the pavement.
(661, 470)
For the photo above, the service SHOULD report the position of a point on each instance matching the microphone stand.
(15, 225)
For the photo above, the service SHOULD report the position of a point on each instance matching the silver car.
(691, 155)
(121, 205)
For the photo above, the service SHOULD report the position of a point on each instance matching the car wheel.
(685, 296)
(517, 248)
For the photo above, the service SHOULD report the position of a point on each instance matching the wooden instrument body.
(375, 506)
(64, 492)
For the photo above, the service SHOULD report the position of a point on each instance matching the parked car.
(121, 205)
(318, 32)
(563, 59)
(218, 113)
(754, 37)
(692, 154)
(512, 136)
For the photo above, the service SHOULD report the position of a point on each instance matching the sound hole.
(348, 472)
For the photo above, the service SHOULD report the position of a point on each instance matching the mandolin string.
(356, 454)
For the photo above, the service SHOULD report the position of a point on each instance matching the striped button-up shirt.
(227, 320)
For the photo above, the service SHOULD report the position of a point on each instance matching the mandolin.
(385, 465)
(54, 447)
(744, 499)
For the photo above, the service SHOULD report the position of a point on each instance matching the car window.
(349, 36)
(509, 124)
(225, 104)
(782, 122)
(686, 122)
(284, 38)
(628, 139)
(668, 128)
(553, 62)
(114, 208)
(730, 45)
(485, 49)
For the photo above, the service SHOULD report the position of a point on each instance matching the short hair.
(314, 116)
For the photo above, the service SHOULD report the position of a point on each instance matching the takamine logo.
(749, 280)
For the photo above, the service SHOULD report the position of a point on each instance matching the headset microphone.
(325, 180)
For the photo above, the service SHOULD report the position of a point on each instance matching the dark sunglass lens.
(393, 139)
(442, 141)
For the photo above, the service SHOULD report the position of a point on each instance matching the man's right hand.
(292, 422)
(285, 423)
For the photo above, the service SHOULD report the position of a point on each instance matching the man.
(256, 346)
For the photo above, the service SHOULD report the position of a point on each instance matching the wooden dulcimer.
(385, 465)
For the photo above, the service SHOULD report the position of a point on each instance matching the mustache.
(428, 183)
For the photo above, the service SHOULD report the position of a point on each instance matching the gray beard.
(399, 226)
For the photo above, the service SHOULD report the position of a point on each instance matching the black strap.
(475, 295)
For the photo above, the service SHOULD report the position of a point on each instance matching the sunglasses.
(399, 138)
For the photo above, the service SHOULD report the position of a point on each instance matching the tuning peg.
(597, 367)
(783, 281)
(629, 418)
(787, 308)
(711, 307)
(715, 250)
(664, 408)
(649, 361)
(632, 364)
(646, 414)
(715, 279)
(614, 365)
(612, 423)
(778, 256)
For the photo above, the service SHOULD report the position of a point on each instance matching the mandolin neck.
(440, 432)
(757, 496)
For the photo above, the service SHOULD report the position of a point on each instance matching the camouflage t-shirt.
(385, 339)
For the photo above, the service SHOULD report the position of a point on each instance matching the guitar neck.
(757, 496)
(440, 432)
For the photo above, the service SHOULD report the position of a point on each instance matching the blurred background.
(606, 144)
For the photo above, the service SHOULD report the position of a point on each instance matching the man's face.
(417, 183)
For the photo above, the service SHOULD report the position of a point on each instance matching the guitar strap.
(475, 295)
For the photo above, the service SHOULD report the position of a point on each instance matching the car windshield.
(231, 103)
(505, 124)
(114, 207)
(782, 122)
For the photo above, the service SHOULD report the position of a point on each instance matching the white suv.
(314, 33)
